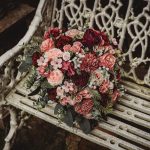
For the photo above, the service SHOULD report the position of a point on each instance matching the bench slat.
(113, 126)
(97, 136)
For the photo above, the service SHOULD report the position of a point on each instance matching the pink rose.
(67, 47)
(107, 60)
(53, 54)
(72, 33)
(115, 95)
(104, 87)
(55, 77)
(47, 45)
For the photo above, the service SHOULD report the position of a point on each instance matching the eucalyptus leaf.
(68, 118)
(95, 94)
(46, 85)
(85, 125)
(36, 91)
(57, 109)
(24, 67)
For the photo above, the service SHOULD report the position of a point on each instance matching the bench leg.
(13, 128)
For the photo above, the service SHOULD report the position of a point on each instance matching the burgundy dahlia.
(63, 40)
(35, 57)
(89, 63)
(91, 38)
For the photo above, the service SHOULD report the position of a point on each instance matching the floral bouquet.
(80, 71)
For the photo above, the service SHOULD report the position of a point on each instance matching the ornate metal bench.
(128, 127)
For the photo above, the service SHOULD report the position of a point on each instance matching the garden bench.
(128, 126)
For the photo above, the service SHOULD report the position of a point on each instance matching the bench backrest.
(126, 20)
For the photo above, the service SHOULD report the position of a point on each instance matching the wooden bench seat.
(127, 127)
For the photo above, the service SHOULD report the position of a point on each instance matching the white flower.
(66, 56)
(111, 85)
(56, 63)
(60, 92)
(42, 62)
(114, 41)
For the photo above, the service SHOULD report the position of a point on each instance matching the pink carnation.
(115, 95)
(85, 93)
(84, 108)
(47, 45)
(53, 54)
(104, 87)
(107, 60)
(55, 77)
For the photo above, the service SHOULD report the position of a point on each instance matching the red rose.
(52, 94)
(68, 67)
(55, 32)
(35, 57)
(91, 38)
(107, 60)
(81, 80)
(89, 63)
(63, 40)
(85, 107)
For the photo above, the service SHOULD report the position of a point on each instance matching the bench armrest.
(9, 74)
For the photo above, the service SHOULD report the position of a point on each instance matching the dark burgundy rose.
(52, 94)
(104, 99)
(55, 32)
(63, 40)
(105, 38)
(81, 80)
(89, 63)
(91, 38)
(35, 57)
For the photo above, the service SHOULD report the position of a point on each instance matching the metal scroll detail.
(118, 19)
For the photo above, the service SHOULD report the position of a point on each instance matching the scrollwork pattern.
(128, 29)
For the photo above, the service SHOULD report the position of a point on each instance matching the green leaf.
(46, 85)
(85, 125)
(68, 118)
(36, 91)
(24, 66)
(95, 94)
(58, 109)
